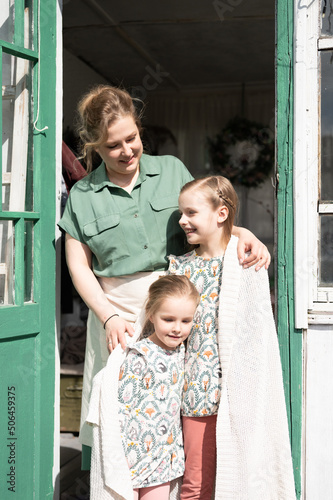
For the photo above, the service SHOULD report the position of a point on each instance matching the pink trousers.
(160, 492)
(200, 457)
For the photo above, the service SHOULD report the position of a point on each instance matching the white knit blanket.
(253, 449)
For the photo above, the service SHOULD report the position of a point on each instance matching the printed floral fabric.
(150, 389)
(203, 373)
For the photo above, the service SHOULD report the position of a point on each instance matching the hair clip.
(226, 200)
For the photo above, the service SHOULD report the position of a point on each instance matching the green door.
(290, 339)
(27, 248)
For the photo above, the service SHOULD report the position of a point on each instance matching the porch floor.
(74, 483)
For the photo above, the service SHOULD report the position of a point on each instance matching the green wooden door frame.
(45, 144)
(27, 329)
(290, 339)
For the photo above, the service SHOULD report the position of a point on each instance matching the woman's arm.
(78, 256)
(249, 243)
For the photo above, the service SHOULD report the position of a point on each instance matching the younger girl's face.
(122, 150)
(173, 321)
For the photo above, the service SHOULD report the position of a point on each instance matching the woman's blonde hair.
(97, 110)
(218, 191)
(168, 286)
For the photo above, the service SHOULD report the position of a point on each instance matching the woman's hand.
(259, 253)
(79, 264)
(115, 331)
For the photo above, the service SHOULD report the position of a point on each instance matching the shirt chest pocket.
(106, 239)
(166, 215)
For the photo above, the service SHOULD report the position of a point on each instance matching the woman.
(121, 222)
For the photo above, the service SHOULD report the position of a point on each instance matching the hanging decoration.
(243, 152)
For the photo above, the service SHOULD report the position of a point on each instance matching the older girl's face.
(202, 222)
(122, 150)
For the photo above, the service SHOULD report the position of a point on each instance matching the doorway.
(198, 67)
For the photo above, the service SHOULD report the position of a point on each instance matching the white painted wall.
(318, 463)
(313, 305)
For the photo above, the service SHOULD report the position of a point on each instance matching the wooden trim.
(289, 339)
(18, 51)
(8, 91)
(306, 152)
(325, 43)
(26, 320)
(325, 208)
(44, 248)
(18, 215)
(19, 262)
(19, 22)
(321, 319)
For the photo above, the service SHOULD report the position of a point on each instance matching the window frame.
(313, 302)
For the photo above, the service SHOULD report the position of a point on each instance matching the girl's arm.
(78, 257)
(249, 243)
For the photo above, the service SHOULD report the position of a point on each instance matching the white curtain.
(195, 115)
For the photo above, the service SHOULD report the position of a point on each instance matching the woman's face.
(122, 150)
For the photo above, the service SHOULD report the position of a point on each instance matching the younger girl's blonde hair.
(219, 191)
(97, 110)
(166, 287)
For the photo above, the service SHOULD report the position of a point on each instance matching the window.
(18, 59)
(313, 163)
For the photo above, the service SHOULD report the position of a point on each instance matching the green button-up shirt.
(129, 232)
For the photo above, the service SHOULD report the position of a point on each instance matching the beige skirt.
(127, 295)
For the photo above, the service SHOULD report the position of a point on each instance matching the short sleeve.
(69, 223)
(131, 374)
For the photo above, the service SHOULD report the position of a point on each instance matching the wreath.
(243, 152)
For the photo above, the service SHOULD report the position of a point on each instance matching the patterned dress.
(149, 392)
(203, 373)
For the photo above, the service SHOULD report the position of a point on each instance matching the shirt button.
(135, 215)
(145, 247)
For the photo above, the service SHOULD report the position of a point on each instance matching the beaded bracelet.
(109, 318)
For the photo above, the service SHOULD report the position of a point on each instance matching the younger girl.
(233, 391)
(150, 386)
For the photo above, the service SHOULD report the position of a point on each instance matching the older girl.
(233, 391)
